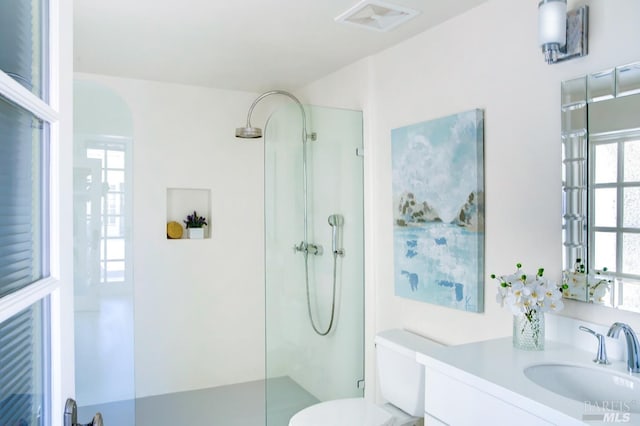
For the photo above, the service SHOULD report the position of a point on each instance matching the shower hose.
(333, 297)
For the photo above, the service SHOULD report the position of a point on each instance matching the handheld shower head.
(336, 221)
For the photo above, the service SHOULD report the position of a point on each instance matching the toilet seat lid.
(342, 412)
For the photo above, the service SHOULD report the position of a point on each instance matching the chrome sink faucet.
(633, 347)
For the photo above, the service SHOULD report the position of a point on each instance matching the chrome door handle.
(71, 415)
(97, 420)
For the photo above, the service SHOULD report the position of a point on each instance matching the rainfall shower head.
(248, 132)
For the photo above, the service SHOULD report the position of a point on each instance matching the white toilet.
(401, 383)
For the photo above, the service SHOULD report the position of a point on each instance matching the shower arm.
(289, 95)
(304, 244)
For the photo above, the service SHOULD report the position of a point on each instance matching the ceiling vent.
(376, 15)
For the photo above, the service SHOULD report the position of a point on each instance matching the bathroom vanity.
(486, 383)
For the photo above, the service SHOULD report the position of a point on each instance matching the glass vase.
(528, 331)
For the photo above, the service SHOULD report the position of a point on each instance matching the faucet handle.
(601, 355)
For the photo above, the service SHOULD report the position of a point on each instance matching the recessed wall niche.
(181, 202)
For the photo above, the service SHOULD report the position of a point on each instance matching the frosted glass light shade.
(552, 22)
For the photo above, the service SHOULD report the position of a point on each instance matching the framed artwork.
(438, 211)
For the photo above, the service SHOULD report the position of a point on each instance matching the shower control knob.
(315, 249)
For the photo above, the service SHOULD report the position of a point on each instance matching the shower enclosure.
(313, 273)
(314, 259)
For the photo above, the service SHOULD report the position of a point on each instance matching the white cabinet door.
(459, 404)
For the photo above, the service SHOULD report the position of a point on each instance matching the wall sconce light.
(562, 35)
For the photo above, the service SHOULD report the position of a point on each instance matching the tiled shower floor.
(241, 404)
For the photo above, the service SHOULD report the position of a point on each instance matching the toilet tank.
(400, 376)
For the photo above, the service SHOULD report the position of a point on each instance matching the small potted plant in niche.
(195, 225)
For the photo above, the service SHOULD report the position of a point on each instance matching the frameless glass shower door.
(303, 367)
(103, 276)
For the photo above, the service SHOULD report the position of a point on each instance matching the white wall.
(199, 304)
(487, 58)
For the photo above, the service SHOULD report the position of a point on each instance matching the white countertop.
(496, 368)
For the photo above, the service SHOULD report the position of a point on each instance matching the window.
(615, 195)
(24, 44)
(614, 199)
(25, 133)
(103, 191)
(23, 158)
(24, 367)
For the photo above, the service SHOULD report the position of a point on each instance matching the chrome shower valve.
(315, 249)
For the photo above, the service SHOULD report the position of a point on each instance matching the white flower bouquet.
(529, 297)
(525, 293)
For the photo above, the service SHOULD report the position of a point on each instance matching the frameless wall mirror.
(601, 187)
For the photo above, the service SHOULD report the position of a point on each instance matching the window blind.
(21, 142)
(24, 167)
(21, 372)
(21, 50)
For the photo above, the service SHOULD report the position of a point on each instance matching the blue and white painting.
(438, 211)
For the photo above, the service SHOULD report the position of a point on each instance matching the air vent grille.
(376, 15)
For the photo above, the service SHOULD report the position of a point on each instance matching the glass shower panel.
(103, 283)
(302, 367)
